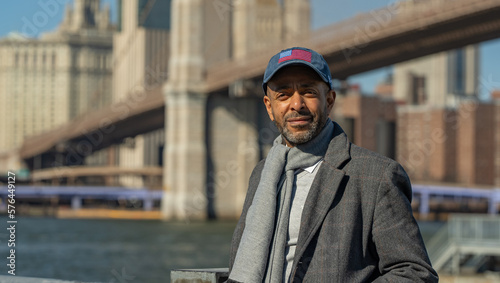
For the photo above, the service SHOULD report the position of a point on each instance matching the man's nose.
(297, 101)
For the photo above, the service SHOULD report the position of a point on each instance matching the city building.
(442, 79)
(458, 145)
(141, 49)
(368, 121)
(444, 132)
(495, 94)
(47, 81)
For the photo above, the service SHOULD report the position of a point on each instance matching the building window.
(154, 14)
(53, 60)
(456, 71)
(348, 125)
(89, 17)
(417, 90)
(386, 138)
(119, 15)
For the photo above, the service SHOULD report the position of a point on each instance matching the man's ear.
(267, 102)
(330, 100)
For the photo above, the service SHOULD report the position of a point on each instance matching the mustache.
(297, 115)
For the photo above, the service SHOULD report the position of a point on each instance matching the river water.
(119, 250)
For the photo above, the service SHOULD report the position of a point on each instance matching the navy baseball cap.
(294, 56)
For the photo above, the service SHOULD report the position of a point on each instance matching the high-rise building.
(444, 133)
(141, 46)
(442, 79)
(48, 81)
(141, 49)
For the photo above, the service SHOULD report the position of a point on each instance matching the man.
(318, 208)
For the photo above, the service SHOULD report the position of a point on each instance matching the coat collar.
(339, 148)
(323, 190)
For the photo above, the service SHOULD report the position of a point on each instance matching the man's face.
(299, 103)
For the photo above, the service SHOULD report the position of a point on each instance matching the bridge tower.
(297, 19)
(185, 154)
(203, 179)
(242, 31)
(257, 24)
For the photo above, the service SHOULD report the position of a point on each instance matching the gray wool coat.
(357, 224)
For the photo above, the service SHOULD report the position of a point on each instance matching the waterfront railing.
(464, 241)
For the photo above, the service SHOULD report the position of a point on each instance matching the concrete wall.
(237, 135)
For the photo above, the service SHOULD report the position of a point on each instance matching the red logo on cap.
(295, 54)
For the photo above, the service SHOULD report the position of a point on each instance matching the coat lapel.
(323, 190)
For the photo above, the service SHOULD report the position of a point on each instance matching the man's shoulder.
(369, 161)
(359, 153)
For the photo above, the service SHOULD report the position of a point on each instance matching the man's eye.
(281, 95)
(311, 92)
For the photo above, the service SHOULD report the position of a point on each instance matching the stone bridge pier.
(212, 139)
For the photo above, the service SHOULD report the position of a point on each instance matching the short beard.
(300, 138)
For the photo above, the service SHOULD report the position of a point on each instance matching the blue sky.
(35, 16)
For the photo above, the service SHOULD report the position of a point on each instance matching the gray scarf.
(257, 245)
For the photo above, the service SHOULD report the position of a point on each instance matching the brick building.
(459, 145)
(368, 121)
